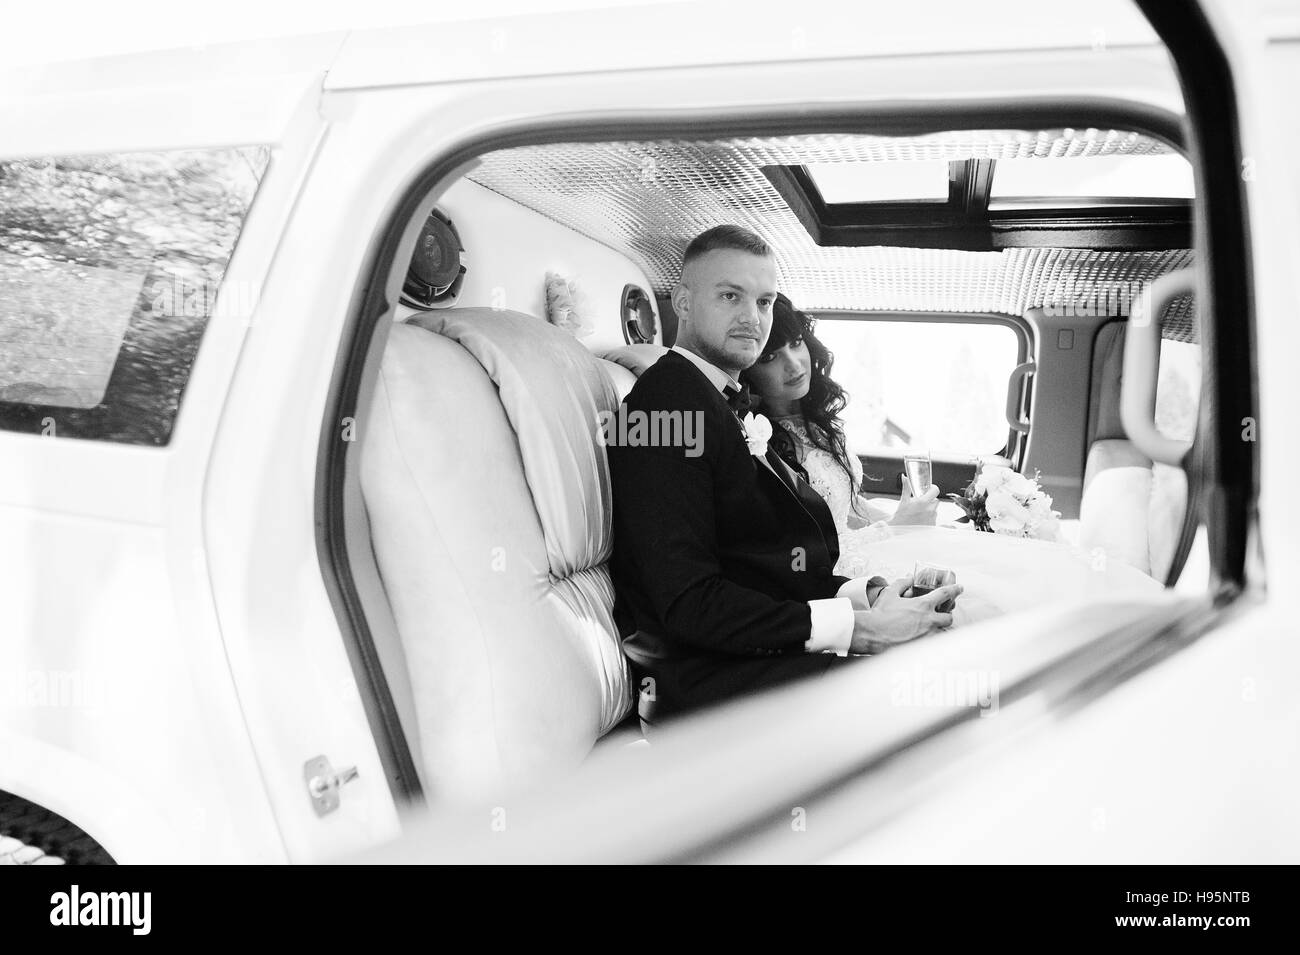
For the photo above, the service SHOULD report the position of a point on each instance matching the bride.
(792, 379)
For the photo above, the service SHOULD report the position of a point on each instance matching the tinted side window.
(936, 386)
(109, 271)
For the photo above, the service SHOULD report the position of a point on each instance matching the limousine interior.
(1004, 263)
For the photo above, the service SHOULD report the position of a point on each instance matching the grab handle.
(1137, 400)
(1018, 374)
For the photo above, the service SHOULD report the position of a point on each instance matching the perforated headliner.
(649, 199)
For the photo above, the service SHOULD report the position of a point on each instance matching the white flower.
(758, 431)
(1022, 487)
(1002, 503)
(1043, 521)
(991, 477)
(1040, 507)
(1006, 514)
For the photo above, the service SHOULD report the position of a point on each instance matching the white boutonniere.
(758, 431)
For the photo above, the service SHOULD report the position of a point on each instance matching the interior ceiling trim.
(648, 199)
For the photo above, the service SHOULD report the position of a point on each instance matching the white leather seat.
(1132, 508)
(618, 376)
(635, 358)
(489, 502)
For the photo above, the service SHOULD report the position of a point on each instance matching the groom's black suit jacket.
(715, 556)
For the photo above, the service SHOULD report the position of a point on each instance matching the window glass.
(936, 386)
(1164, 176)
(109, 271)
(884, 181)
(1178, 389)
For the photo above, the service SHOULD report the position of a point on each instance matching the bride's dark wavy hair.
(825, 400)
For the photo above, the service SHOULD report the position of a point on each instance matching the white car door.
(127, 711)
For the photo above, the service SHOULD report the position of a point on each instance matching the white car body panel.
(1192, 762)
(130, 520)
(673, 36)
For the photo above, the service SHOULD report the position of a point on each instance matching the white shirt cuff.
(832, 624)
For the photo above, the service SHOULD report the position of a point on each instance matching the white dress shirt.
(832, 617)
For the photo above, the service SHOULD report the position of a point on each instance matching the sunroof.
(1163, 176)
(888, 181)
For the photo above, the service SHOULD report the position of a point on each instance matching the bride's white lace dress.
(998, 574)
(857, 522)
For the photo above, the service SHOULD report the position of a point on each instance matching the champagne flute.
(918, 468)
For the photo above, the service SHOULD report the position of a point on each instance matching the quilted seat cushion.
(489, 501)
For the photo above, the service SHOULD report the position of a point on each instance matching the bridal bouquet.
(1001, 501)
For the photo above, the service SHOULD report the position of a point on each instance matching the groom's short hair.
(724, 237)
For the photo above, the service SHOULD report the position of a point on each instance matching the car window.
(109, 271)
(936, 386)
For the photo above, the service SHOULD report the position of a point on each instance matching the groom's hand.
(897, 619)
(916, 510)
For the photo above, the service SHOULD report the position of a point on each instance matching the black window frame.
(965, 221)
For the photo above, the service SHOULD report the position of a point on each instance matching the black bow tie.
(738, 399)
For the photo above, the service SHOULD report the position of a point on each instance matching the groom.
(723, 555)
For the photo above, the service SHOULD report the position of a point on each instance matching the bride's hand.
(917, 510)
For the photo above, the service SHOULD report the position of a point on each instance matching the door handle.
(323, 783)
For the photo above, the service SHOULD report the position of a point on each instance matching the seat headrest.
(622, 379)
(553, 391)
(635, 358)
